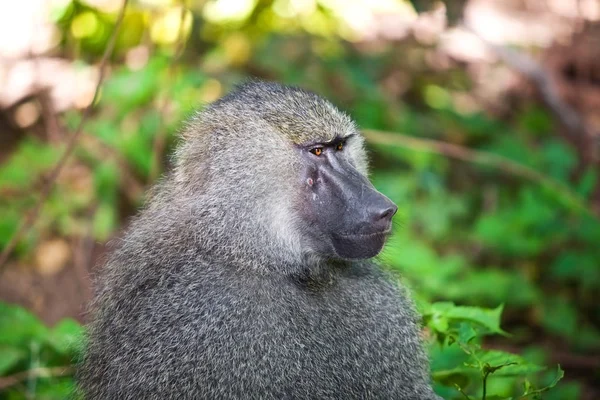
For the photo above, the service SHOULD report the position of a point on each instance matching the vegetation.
(496, 235)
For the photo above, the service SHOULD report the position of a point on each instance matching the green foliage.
(130, 89)
(21, 175)
(473, 234)
(462, 368)
(35, 361)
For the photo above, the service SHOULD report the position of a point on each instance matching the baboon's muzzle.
(348, 210)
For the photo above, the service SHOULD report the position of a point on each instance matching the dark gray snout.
(347, 209)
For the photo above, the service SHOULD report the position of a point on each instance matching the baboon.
(248, 274)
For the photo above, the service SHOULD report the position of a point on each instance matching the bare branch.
(479, 157)
(527, 66)
(39, 372)
(158, 147)
(31, 217)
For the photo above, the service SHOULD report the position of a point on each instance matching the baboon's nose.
(381, 214)
(387, 213)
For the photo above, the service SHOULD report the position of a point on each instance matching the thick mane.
(229, 284)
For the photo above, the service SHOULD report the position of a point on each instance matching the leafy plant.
(459, 361)
(35, 361)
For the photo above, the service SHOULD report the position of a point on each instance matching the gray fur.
(212, 293)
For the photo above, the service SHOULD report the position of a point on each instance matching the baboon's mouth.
(364, 235)
(359, 245)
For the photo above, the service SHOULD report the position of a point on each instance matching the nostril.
(387, 212)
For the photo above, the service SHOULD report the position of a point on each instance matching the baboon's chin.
(358, 246)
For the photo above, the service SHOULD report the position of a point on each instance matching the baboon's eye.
(339, 146)
(317, 151)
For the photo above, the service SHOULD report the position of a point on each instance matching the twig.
(49, 115)
(560, 356)
(38, 372)
(31, 217)
(35, 363)
(161, 136)
(462, 392)
(478, 157)
(485, 376)
(579, 133)
(83, 256)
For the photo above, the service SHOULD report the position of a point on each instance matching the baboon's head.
(286, 170)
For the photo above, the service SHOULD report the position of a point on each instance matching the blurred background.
(482, 122)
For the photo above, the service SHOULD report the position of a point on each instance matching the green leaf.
(460, 375)
(466, 333)
(587, 183)
(105, 221)
(535, 120)
(106, 179)
(560, 159)
(577, 266)
(447, 359)
(27, 163)
(500, 363)
(486, 317)
(137, 149)
(56, 389)
(9, 357)
(130, 89)
(529, 388)
(560, 316)
(10, 218)
(66, 336)
(18, 327)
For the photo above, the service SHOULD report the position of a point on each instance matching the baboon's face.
(347, 217)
